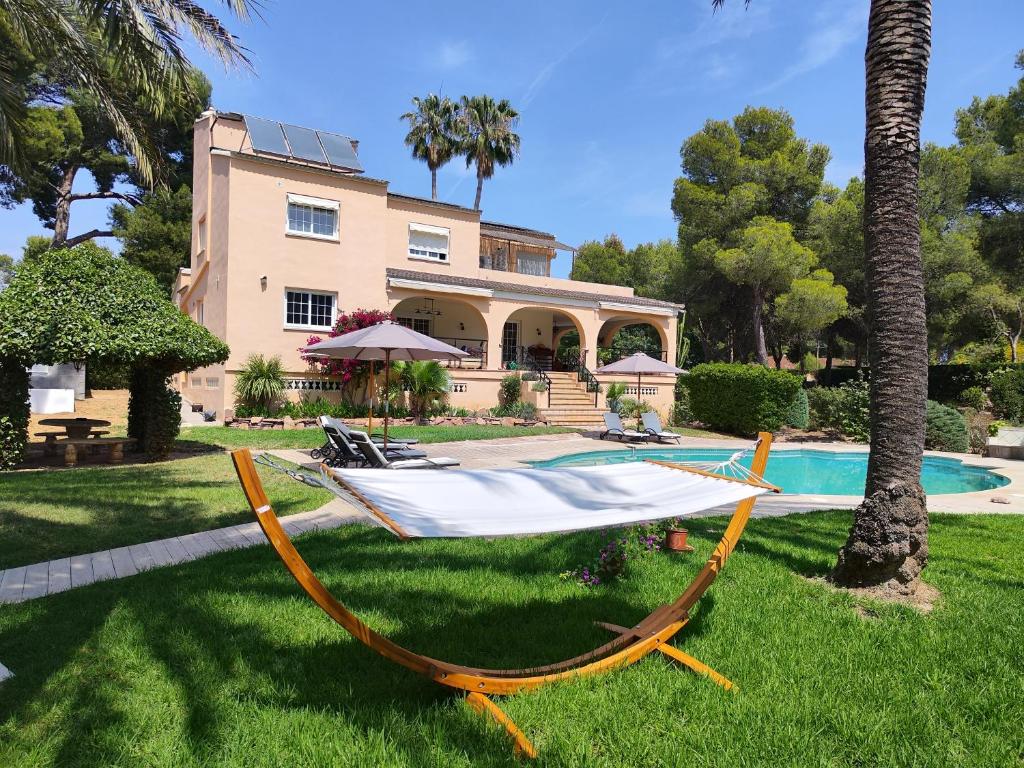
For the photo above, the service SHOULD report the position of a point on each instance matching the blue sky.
(607, 93)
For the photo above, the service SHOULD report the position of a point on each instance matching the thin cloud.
(544, 74)
(454, 54)
(834, 28)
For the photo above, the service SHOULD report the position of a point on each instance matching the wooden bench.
(51, 438)
(115, 446)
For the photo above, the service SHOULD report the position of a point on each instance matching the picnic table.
(82, 433)
(75, 428)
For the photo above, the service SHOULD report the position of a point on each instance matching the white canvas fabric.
(509, 502)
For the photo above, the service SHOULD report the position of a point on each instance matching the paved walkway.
(31, 581)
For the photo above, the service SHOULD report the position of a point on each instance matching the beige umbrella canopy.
(385, 341)
(640, 363)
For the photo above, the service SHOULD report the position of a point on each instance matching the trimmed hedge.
(945, 429)
(742, 399)
(842, 409)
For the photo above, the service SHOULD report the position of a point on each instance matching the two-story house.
(288, 232)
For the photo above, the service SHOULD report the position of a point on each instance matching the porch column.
(591, 328)
(495, 319)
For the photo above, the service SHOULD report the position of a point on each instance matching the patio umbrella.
(639, 363)
(385, 341)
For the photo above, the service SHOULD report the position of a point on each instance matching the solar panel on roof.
(340, 151)
(304, 143)
(266, 135)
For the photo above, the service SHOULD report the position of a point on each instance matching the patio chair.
(374, 457)
(652, 426)
(613, 428)
(341, 450)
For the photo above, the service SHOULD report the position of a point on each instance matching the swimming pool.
(807, 471)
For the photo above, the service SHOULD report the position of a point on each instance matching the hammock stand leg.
(482, 705)
(675, 654)
(697, 666)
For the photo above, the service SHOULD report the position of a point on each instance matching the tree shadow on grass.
(237, 621)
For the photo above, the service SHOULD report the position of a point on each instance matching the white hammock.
(508, 502)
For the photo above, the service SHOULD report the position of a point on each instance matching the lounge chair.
(374, 457)
(613, 428)
(342, 451)
(652, 426)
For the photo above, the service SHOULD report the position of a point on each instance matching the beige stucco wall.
(251, 261)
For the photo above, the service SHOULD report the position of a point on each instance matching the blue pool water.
(805, 470)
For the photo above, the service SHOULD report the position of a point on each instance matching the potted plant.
(675, 537)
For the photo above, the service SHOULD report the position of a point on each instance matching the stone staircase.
(571, 404)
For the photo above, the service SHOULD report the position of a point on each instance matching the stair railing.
(583, 374)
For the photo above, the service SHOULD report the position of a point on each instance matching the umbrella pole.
(387, 394)
(639, 400)
(369, 418)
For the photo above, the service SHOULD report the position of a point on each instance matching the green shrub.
(1007, 395)
(945, 429)
(517, 410)
(809, 362)
(843, 409)
(613, 395)
(538, 386)
(798, 415)
(681, 412)
(973, 397)
(743, 399)
(14, 413)
(509, 390)
(260, 382)
(530, 376)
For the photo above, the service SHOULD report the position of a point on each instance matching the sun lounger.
(343, 451)
(652, 425)
(613, 428)
(376, 458)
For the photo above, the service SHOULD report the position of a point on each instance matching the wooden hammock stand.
(629, 646)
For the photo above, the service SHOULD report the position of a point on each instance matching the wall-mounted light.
(538, 332)
(462, 326)
(263, 282)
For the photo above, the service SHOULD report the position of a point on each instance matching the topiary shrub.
(14, 413)
(1006, 391)
(798, 415)
(83, 303)
(743, 399)
(843, 409)
(945, 429)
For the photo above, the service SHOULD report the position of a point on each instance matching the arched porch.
(450, 320)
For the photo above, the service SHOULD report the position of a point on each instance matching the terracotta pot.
(675, 540)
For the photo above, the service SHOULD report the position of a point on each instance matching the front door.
(509, 344)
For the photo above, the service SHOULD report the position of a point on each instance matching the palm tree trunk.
(888, 543)
(433, 184)
(479, 189)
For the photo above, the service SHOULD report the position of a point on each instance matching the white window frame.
(312, 202)
(306, 327)
(443, 257)
(201, 235)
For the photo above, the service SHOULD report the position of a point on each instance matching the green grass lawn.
(46, 515)
(229, 438)
(222, 661)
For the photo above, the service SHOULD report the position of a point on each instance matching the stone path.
(31, 581)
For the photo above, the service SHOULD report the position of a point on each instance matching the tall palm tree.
(488, 137)
(431, 136)
(888, 543)
(77, 40)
